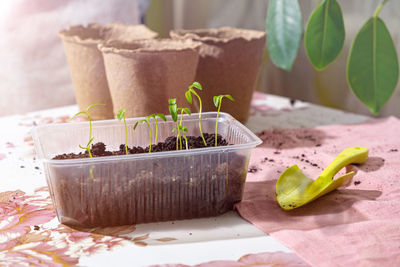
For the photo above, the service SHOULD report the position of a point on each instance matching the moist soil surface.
(99, 149)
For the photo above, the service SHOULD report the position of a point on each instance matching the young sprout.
(174, 110)
(120, 116)
(145, 120)
(181, 127)
(86, 112)
(188, 96)
(154, 116)
(217, 102)
(184, 130)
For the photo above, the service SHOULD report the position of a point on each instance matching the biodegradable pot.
(143, 75)
(86, 61)
(230, 60)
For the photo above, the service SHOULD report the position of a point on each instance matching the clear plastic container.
(150, 187)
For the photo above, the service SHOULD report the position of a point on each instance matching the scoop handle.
(347, 156)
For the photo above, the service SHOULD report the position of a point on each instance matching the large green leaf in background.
(373, 68)
(324, 36)
(284, 28)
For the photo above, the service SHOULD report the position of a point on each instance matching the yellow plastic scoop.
(293, 189)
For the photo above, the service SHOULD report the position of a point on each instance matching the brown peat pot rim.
(218, 35)
(148, 46)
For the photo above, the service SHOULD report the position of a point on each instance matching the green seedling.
(217, 102)
(120, 116)
(154, 116)
(188, 96)
(86, 112)
(145, 120)
(183, 130)
(174, 110)
(181, 127)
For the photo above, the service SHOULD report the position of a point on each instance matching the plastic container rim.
(254, 141)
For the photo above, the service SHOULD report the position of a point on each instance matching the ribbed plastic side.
(137, 189)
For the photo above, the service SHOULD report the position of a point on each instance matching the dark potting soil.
(99, 149)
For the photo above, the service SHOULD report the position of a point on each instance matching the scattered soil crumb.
(393, 150)
(36, 228)
(253, 169)
(357, 182)
(22, 167)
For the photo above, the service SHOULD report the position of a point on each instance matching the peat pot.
(86, 64)
(229, 63)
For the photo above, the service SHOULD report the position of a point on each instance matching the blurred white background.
(34, 74)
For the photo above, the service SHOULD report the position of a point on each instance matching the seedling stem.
(145, 120)
(188, 96)
(86, 112)
(217, 102)
(120, 116)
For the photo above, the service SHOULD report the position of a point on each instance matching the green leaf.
(161, 116)
(229, 97)
(197, 85)
(92, 105)
(216, 100)
(77, 114)
(183, 128)
(136, 124)
(188, 96)
(90, 141)
(173, 109)
(83, 147)
(187, 111)
(372, 67)
(325, 33)
(284, 29)
(121, 114)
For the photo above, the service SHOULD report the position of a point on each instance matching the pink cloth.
(357, 225)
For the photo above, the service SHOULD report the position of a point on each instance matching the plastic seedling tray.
(150, 187)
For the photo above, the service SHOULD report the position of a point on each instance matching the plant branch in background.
(121, 116)
(372, 68)
(86, 112)
(325, 34)
(217, 102)
(188, 96)
(283, 30)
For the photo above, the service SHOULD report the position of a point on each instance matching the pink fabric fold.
(356, 225)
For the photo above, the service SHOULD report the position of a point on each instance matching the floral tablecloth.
(30, 233)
